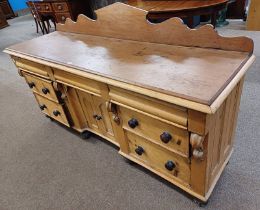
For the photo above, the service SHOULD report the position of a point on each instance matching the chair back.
(33, 10)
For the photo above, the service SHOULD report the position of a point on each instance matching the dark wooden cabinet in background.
(6, 9)
(236, 10)
(3, 22)
(62, 9)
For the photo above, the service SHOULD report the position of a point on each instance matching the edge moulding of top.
(122, 21)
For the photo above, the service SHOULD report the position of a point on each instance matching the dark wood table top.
(174, 5)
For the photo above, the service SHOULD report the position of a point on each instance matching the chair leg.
(54, 23)
(44, 27)
(37, 27)
(41, 27)
(48, 24)
(214, 19)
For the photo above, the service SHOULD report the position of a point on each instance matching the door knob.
(56, 113)
(170, 165)
(97, 117)
(139, 150)
(42, 107)
(45, 90)
(31, 84)
(133, 123)
(165, 137)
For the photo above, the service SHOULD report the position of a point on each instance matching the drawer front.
(41, 86)
(60, 7)
(52, 109)
(82, 83)
(43, 7)
(163, 161)
(168, 136)
(61, 17)
(170, 112)
(32, 67)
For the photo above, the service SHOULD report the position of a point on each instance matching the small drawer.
(43, 7)
(61, 17)
(52, 109)
(163, 161)
(41, 86)
(168, 136)
(60, 7)
(78, 82)
(32, 67)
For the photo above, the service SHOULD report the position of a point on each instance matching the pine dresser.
(166, 95)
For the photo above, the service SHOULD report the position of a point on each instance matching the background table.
(181, 8)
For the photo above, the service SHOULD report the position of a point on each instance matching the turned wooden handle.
(196, 142)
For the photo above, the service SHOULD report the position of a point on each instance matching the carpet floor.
(45, 166)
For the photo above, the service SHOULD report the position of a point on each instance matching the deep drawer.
(52, 109)
(163, 161)
(82, 83)
(169, 112)
(168, 136)
(41, 86)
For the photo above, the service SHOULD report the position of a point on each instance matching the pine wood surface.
(190, 92)
(141, 63)
(130, 19)
(253, 18)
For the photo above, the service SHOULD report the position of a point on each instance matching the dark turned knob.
(42, 107)
(166, 137)
(98, 117)
(31, 84)
(139, 150)
(133, 123)
(170, 165)
(45, 90)
(56, 113)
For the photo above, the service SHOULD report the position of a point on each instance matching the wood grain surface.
(195, 74)
(126, 22)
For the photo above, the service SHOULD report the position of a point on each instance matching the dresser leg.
(86, 134)
(200, 203)
(49, 117)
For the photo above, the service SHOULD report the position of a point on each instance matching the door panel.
(96, 113)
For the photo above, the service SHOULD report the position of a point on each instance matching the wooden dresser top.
(196, 68)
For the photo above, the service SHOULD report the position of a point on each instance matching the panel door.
(96, 114)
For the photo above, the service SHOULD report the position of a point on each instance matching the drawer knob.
(133, 123)
(45, 90)
(47, 7)
(56, 113)
(31, 84)
(170, 165)
(166, 137)
(139, 150)
(97, 117)
(42, 107)
(60, 7)
(63, 17)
